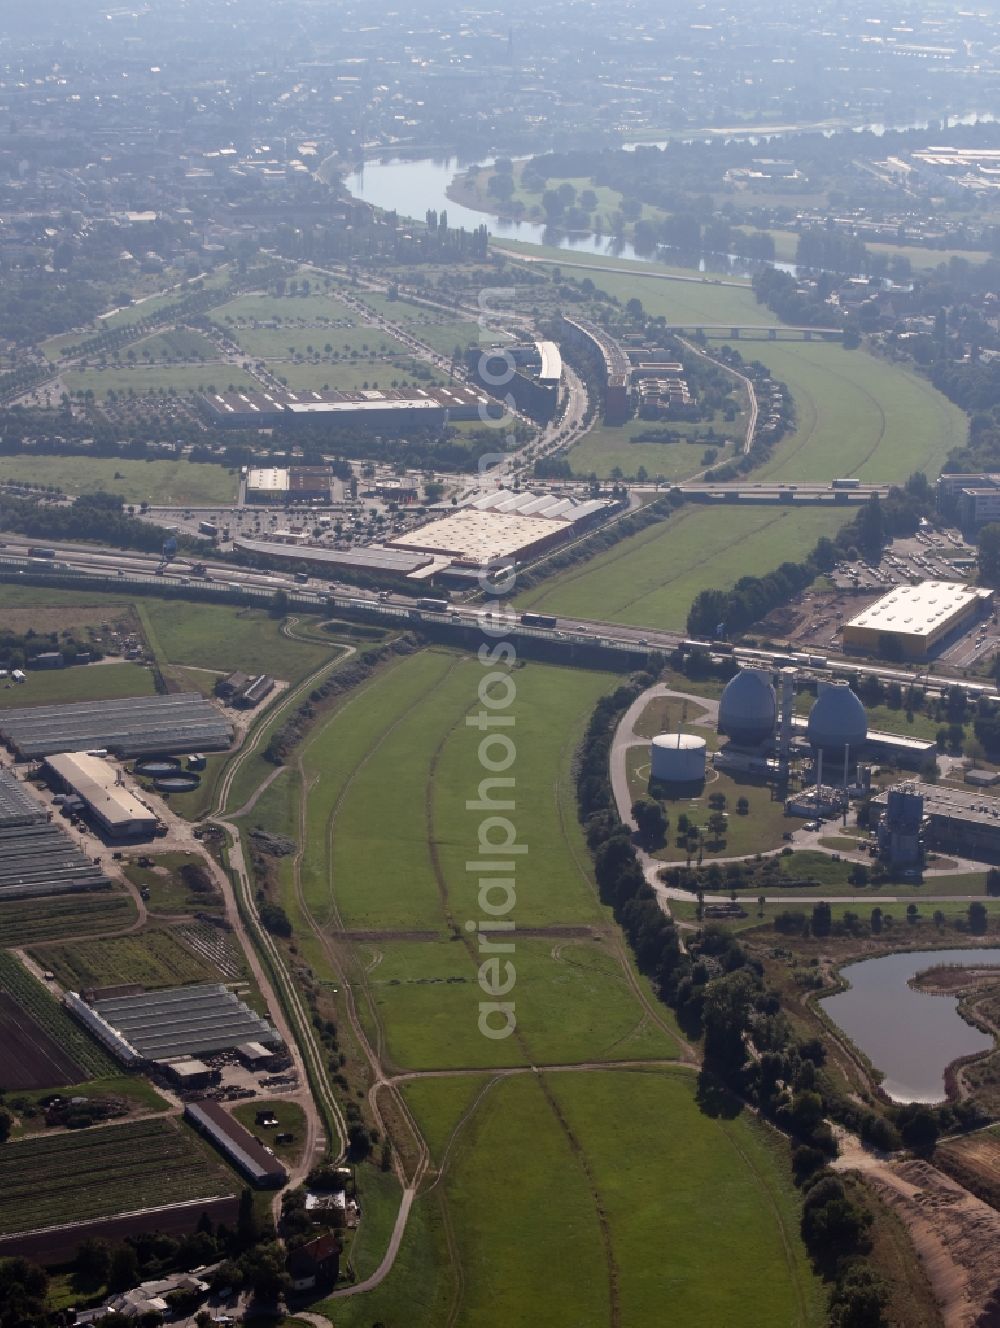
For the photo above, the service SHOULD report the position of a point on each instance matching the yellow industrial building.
(917, 618)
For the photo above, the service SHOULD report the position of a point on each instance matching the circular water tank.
(748, 710)
(837, 718)
(181, 782)
(157, 765)
(678, 758)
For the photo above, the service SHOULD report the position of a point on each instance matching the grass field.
(607, 445)
(222, 637)
(355, 375)
(101, 1172)
(151, 958)
(566, 1150)
(167, 891)
(291, 1120)
(85, 682)
(26, 921)
(174, 483)
(651, 579)
(856, 415)
(156, 379)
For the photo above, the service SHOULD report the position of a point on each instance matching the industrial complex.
(259, 408)
(101, 787)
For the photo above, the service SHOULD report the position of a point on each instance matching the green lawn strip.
(152, 958)
(549, 710)
(335, 752)
(385, 372)
(27, 921)
(103, 1171)
(522, 1210)
(571, 998)
(82, 682)
(174, 483)
(260, 307)
(651, 579)
(291, 1120)
(666, 714)
(285, 342)
(657, 1161)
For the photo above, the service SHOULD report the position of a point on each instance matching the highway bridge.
(756, 331)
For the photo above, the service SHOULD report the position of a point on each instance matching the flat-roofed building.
(117, 810)
(915, 619)
(965, 821)
(257, 1163)
(267, 484)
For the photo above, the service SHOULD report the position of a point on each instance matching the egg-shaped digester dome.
(748, 710)
(837, 718)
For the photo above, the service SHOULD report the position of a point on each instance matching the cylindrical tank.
(837, 718)
(748, 710)
(678, 758)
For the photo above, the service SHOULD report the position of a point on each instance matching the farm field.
(81, 682)
(152, 958)
(29, 994)
(174, 483)
(27, 921)
(100, 1172)
(30, 1058)
(156, 380)
(651, 579)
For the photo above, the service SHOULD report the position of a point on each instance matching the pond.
(911, 1036)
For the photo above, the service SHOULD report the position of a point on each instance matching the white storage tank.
(678, 758)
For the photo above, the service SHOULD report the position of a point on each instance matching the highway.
(124, 569)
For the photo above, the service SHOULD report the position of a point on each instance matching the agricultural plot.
(151, 958)
(222, 637)
(607, 446)
(46, 1013)
(29, 1058)
(102, 1172)
(28, 921)
(161, 482)
(651, 579)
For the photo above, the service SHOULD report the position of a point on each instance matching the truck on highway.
(433, 605)
(35, 552)
(848, 483)
(208, 528)
(539, 620)
(302, 578)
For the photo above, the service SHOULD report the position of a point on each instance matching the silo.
(678, 758)
(748, 711)
(837, 719)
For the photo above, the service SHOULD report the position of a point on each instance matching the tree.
(993, 881)
(918, 1128)
(93, 1261)
(989, 554)
(651, 821)
(6, 1124)
(859, 1299)
(821, 919)
(978, 918)
(123, 1271)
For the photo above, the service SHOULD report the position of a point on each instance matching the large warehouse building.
(915, 619)
(135, 726)
(117, 810)
(297, 484)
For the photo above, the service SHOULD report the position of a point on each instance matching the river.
(911, 1036)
